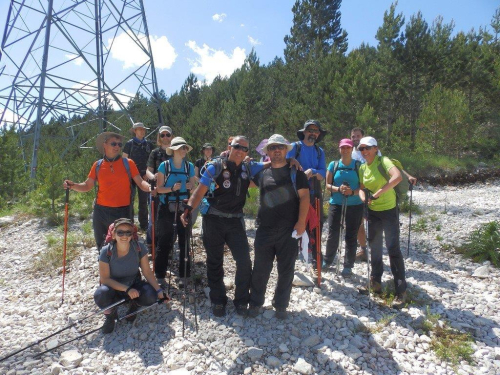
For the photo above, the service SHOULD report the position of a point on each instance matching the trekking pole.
(171, 255)
(75, 323)
(193, 278)
(65, 240)
(186, 249)
(342, 229)
(159, 301)
(409, 217)
(153, 222)
(368, 249)
(318, 243)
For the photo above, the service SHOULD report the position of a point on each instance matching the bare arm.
(124, 155)
(143, 185)
(300, 226)
(81, 187)
(195, 200)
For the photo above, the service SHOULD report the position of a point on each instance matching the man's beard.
(311, 138)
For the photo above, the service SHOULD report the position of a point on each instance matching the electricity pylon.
(67, 58)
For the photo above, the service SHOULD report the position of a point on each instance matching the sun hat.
(176, 144)
(300, 133)
(277, 139)
(103, 137)
(137, 125)
(346, 142)
(208, 145)
(368, 141)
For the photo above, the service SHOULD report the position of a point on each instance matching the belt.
(215, 212)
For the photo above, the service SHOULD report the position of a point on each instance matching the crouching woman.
(119, 264)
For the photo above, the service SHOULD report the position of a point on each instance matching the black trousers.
(102, 217)
(218, 231)
(106, 296)
(271, 243)
(143, 207)
(386, 223)
(353, 217)
(165, 229)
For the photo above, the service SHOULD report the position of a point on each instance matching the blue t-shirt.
(309, 158)
(176, 175)
(348, 174)
(209, 173)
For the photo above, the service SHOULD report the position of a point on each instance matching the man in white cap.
(138, 149)
(284, 202)
(112, 174)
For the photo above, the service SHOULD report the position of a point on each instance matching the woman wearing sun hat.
(383, 217)
(175, 180)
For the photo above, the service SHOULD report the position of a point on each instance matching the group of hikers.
(216, 186)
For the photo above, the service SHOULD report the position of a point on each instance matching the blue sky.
(214, 37)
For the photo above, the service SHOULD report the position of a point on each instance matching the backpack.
(403, 186)
(168, 170)
(357, 164)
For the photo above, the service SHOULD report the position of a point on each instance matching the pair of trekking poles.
(77, 323)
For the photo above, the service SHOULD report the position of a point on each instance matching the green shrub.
(420, 225)
(484, 244)
(252, 204)
(404, 207)
(51, 259)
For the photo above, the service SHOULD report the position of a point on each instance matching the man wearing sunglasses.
(224, 223)
(138, 149)
(113, 195)
(312, 159)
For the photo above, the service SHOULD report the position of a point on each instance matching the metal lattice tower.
(55, 62)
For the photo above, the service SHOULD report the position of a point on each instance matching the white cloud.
(253, 42)
(219, 17)
(210, 63)
(77, 60)
(242, 25)
(126, 50)
(10, 117)
(89, 93)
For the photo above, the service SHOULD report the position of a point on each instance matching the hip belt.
(215, 212)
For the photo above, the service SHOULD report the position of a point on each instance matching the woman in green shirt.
(383, 217)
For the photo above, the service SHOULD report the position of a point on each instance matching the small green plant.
(420, 225)
(252, 204)
(404, 207)
(484, 244)
(438, 227)
(383, 322)
(439, 238)
(433, 217)
(51, 258)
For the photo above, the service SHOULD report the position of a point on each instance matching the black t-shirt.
(157, 156)
(199, 164)
(139, 153)
(279, 203)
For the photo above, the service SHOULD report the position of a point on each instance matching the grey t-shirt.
(124, 269)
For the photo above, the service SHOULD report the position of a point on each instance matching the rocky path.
(332, 330)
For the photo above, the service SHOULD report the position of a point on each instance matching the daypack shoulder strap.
(381, 168)
(293, 176)
(298, 148)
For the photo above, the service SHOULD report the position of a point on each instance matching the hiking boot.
(361, 255)
(400, 301)
(346, 272)
(109, 323)
(281, 313)
(314, 273)
(242, 310)
(132, 309)
(219, 310)
(253, 311)
(375, 286)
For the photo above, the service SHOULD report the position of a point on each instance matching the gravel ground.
(330, 330)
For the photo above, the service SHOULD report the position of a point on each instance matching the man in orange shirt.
(114, 186)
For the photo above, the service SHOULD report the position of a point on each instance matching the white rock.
(302, 367)
(70, 358)
(299, 279)
(482, 272)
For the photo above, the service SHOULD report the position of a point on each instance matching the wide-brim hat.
(277, 139)
(176, 144)
(322, 132)
(208, 145)
(137, 125)
(103, 137)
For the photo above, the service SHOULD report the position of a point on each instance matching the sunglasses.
(365, 148)
(163, 135)
(114, 144)
(313, 131)
(240, 147)
(121, 233)
(276, 147)
(184, 148)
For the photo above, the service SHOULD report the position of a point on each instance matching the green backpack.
(402, 188)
